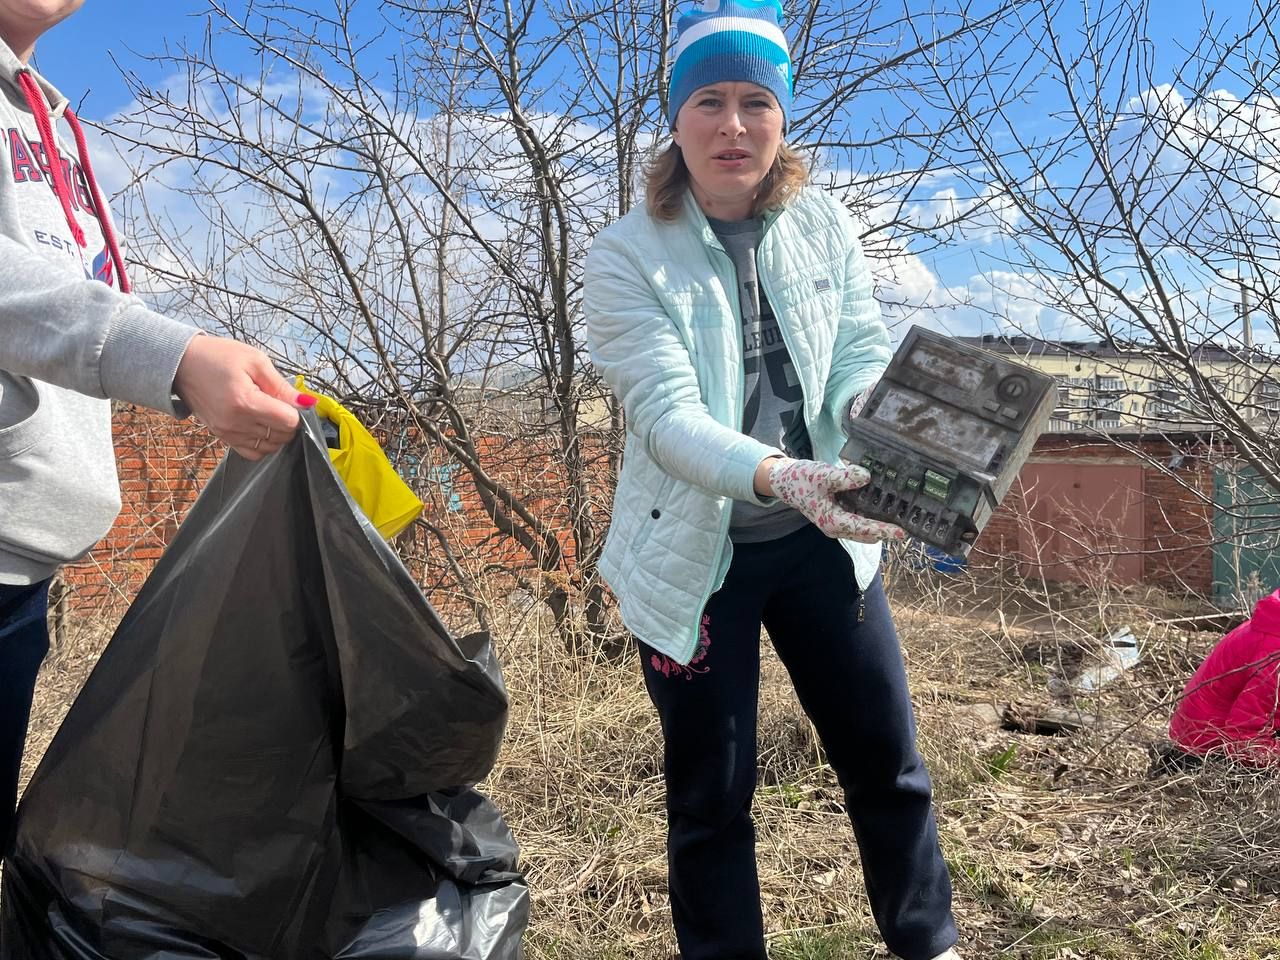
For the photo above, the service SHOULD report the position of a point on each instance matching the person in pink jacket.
(1232, 703)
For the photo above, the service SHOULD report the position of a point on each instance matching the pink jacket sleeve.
(1233, 700)
(1251, 723)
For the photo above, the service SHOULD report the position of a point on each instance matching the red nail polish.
(306, 400)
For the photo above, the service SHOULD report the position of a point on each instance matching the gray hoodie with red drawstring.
(72, 337)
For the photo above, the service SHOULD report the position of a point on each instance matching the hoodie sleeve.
(83, 335)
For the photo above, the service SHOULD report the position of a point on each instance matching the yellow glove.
(365, 470)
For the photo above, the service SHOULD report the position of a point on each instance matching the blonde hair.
(667, 178)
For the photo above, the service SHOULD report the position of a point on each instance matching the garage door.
(1083, 522)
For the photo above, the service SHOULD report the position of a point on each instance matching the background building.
(1105, 387)
(1134, 482)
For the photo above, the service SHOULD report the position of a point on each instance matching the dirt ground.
(1065, 845)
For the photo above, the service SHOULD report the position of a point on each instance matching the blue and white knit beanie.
(728, 40)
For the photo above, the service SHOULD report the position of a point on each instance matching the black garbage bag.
(273, 757)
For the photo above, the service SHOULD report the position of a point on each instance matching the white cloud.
(968, 281)
(979, 218)
(1199, 186)
(1195, 176)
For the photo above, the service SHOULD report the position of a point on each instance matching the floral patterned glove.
(809, 486)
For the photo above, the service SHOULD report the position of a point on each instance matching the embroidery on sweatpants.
(669, 668)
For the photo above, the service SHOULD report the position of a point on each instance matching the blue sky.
(78, 57)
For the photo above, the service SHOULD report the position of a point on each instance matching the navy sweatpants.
(24, 641)
(841, 651)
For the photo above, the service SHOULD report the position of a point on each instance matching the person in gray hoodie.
(72, 338)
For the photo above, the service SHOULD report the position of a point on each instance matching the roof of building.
(1026, 346)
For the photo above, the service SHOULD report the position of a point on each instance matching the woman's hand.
(239, 395)
(810, 487)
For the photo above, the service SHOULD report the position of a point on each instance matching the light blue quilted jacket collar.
(703, 228)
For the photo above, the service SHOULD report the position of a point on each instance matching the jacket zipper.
(736, 309)
(862, 607)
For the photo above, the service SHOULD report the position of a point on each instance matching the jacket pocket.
(653, 513)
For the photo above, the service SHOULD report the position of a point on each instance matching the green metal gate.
(1246, 526)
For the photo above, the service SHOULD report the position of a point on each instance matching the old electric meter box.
(943, 435)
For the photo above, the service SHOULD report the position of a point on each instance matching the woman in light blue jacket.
(733, 316)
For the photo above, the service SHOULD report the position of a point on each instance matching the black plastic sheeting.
(272, 758)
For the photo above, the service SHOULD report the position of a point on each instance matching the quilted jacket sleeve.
(642, 357)
(862, 348)
(1252, 719)
(1200, 718)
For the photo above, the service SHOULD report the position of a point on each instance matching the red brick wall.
(1179, 525)
(531, 469)
(163, 465)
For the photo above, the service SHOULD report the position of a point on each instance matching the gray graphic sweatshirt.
(71, 338)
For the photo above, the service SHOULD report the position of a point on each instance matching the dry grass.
(1060, 847)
